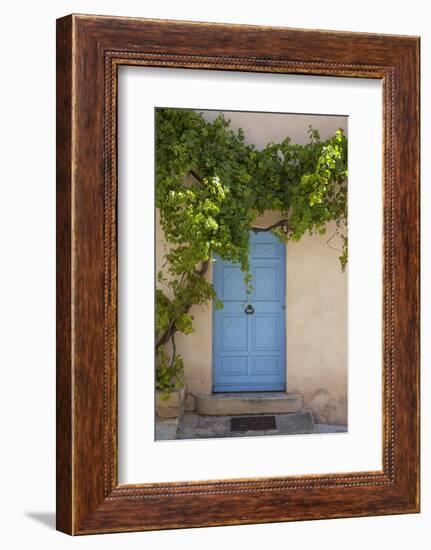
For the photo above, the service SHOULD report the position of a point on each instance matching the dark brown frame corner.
(89, 51)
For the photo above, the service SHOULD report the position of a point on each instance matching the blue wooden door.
(249, 332)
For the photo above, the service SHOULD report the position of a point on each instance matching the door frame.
(283, 346)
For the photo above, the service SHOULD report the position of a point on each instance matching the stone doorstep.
(248, 403)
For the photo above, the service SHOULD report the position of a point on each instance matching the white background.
(141, 458)
(27, 273)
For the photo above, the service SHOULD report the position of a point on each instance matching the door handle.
(249, 310)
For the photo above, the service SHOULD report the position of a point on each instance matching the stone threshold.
(243, 403)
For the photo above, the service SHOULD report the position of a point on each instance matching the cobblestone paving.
(196, 426)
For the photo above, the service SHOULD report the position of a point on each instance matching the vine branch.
(281, 223)
(172, 329)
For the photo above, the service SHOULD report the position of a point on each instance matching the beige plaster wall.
(316, 294)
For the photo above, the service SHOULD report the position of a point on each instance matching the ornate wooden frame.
(89, 51)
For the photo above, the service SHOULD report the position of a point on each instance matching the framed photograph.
(237, 274)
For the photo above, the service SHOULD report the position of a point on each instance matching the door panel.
(233, 333)
(231, 366)
(249, 349)
(265, 365)
(265, 331)
(266, 282)
(232, 288)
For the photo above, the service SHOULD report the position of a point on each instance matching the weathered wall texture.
(316, 294)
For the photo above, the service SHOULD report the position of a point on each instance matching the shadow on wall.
(328, 408)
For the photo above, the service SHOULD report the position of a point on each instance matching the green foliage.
(343, 257)
(169, 374)
(213, 212)
(210, 188)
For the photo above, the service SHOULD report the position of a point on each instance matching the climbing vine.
(210, 189)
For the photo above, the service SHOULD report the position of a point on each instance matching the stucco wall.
(316, 293)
